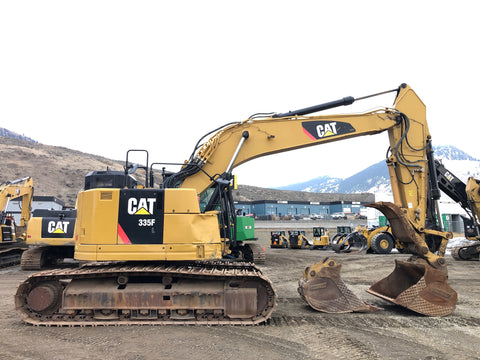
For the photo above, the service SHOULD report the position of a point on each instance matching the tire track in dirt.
(364, 321)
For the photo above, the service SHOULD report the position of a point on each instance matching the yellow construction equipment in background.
(321, 238)
(12, 235)
(278, 239)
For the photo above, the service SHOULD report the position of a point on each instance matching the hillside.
(253, 193)
(60, 172)
(56, 171)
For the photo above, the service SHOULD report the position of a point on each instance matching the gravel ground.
(295, 330)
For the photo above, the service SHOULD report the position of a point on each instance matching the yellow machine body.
(321, 237)
(21, 188)
(35, 227)
(12, 234)
(278, 239)
(380, 240)
(181, 231)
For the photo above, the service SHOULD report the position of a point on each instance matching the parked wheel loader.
(376, 240)
(155, 257)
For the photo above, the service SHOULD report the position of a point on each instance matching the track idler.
(418, 286)
(323, 289)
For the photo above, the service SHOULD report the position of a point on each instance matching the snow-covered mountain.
(375, 178)
(322, 184)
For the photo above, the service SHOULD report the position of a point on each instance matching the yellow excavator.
(12, 236)
(155, 256)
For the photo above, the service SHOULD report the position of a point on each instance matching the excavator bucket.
(415, 283)
(322, 288)
(418, 286)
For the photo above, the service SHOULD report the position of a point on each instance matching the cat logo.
(141, 206)
(319, 129)
(324, 130)
(58, 227)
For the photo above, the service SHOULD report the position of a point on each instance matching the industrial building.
(14, 207)
(271, 202)
(281, 208)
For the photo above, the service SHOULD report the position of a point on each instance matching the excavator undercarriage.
(468, 252)
(201, 293)
(11, 255)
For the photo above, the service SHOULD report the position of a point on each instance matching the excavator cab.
(7, 224)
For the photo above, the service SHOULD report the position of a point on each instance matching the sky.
(103, 77)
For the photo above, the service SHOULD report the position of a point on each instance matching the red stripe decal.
(123, 236)
(308, 134)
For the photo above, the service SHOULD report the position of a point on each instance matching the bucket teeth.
(323, 289)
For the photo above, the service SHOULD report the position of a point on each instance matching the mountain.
(375, 178)
(448, 152)
(322, 184)
(10, 134)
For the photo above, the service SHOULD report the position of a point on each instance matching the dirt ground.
(294, 332)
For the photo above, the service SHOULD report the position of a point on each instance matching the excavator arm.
(250, 139)
(19, 188)
(410, 150)
(418, 284)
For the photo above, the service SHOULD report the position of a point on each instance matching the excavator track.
(466, 252)
(99, 294)
(41, 257)
(258, 253)
(10, 256)
(33, 259)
